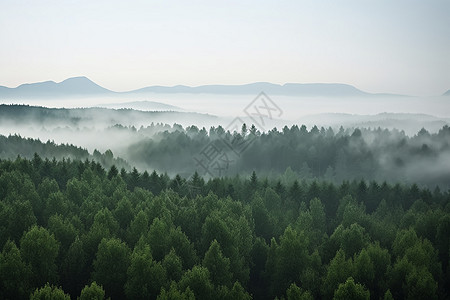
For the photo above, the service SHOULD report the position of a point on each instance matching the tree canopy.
(96, 233)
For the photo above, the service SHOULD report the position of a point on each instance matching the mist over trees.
(14, 145)
(325, 154)
(92, 117)
(370, 154)
(225, 150)
(174, 212)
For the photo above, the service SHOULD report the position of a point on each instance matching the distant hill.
(447, 93)
(82, 86)
(23, 115)
(76, 86)
(142, 105)
(288, 89)
(410, 123)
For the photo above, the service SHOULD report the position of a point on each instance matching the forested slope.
(21, 115)
(71, 225)
(332, 154)
(14, 145)
(348, 154)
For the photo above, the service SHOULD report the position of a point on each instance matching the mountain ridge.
(83, 86)
(305, 89)
(71, 86)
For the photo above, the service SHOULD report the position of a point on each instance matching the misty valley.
(143, 140)
(229, 150)
(135, 203)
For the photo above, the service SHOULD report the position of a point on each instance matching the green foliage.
(14, 273)
(63, 230)
(403, 240)
(290, 258)
(351, 290)
(145, 276)
(218, 265)
(381, 260)
(397, 277)
(364, 269)
(421, 284)
(296, 293)
(49, 292)
(318, 215)
(198, 280)
(236, 292)
(124, 212)
(39, 248)
(175, 294)
(212, 241)
(163, 236)
(139, 225)
(264, 224)
(92, 292)
(351, 239)
(20, 218)
(173, 266)
(258, 283)
(111, 265)
(73, 268)
(338, 271)
(388, 295)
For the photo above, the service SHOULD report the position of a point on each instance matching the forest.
(13, 146)
(72, 228)
(173, 212)
(137, 139)
(225, 150)
(348, 154)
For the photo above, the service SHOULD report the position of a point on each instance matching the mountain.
(447, 93)
(76, 86)
(82, 86)
(288, 89)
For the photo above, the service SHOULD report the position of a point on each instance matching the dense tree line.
(72, 228)
(332, 154)
(47, 117)
(14, 145)
(370, 154)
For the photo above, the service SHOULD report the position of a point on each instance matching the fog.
(93, 128)
(293, 107)
(409, 114)
(402, 112)
(85, 123)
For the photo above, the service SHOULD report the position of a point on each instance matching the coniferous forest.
(72, 228)
(229, 150)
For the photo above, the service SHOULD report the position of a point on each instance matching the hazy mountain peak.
(78, 79)
(82, 85)
(70, 87)
(447, 93)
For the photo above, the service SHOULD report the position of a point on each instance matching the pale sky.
(378, 46)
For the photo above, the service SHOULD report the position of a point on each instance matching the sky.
(381, 46)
